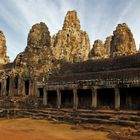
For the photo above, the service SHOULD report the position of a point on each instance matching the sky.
(98, 18)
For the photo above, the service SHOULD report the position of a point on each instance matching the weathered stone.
(71, 21)
(71, 44)
(122, 42)
(39, 36)
(39, 76)
(4, 59)
(107, 46)
(37, 57)
(98, 50)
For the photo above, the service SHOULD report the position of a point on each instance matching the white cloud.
(126, 10)
(98, 18)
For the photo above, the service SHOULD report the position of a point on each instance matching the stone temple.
(63, 76)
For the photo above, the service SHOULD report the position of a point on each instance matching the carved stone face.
(71, 44)
(39, 36)
(98, 49)
(71, 21)
(122, 41)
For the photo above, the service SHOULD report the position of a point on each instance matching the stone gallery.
(62, 73)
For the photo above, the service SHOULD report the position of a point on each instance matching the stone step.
(97, 111)
(92, 115)
(95, 119)
(99, 115)
(76, 117)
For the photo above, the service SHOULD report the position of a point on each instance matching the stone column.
(94, 98)
(44, 97)
(3, 87)
(30, 87)
(117, 98)
(58, 99)
(11, 86)
(35, 87)
(38, 93)
(75, 99)
(21, 86)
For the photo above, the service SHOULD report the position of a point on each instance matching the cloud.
(126, 10)
(98, 18)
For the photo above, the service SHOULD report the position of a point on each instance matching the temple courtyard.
(23, 129)
(31, 129)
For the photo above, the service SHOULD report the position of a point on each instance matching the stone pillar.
(11, 86)
(75, 99)
(117, 98)
(21, 86)
(3, 87)
(58, 99)
(38, 93)
(35, 87)
(30, 87)
(94, 98)
(45, 97)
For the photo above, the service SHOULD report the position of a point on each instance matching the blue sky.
(98, 17)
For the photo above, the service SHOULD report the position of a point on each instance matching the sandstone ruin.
(71, 44)
(107, 46)
(4, 59)
(122, 41)
(55, 77)
(98, 51)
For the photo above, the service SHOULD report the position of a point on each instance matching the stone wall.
(111, 64)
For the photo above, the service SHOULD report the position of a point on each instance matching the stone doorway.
(105, 98)
(40, 91)
(66, 98)
(84, 98)
(7, 85)
(16, 86)
(52, 99)
(27, 83)
(130, 98)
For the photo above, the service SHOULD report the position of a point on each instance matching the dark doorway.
(66, 98)
(7, 85)
(16, 86)
(84, 98)
(52, 98)
(130, 98)
(27, 87)
(40, 90)
(106, 98)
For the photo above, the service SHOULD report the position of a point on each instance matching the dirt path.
(28, 129)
